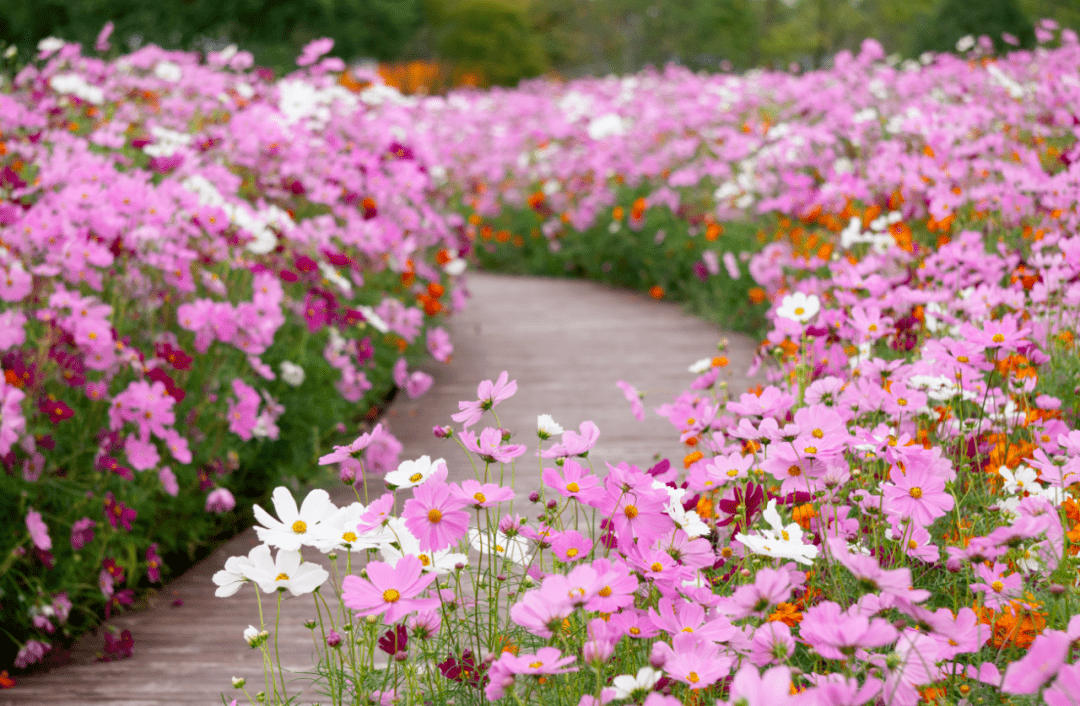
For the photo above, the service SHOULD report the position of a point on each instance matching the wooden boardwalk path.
(566, 342)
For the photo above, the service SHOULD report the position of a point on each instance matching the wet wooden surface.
(566, 342)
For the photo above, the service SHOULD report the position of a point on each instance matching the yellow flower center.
(500, 548)
(997, 586)
(692, 677)
(810, 450)
(902, 402)
(573, 487)
(785, 535)
(281, 577)
(434, 516)
(349, 536)
(635, 630)
(630, 511)
(963, 358)
(912, 544)
(605, 591)
(817, 434)
(657, 566)
(799, 311)
(794, 471)
(572, 552)
(732, 472)
(391, 595)
(873, 327)
(415, 477)
(299, 527)
(915, 492)
(535, 665)
(479, 497)
(998, 338)
(425, 560)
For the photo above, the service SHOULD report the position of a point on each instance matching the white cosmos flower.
(372, 318)
(292, 373)
(1020, 480)
(285, 571)
(686, 520)
(546, 427)
(700, 366)
(779, 541)
(625, 685)
(413, 473)
(296, 527)
(516, 549)
(338, 532)
(252, 635)
(440, 562)
(799, 307)
(232, 577)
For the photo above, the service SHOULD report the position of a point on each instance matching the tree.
(953, 19)
(490, 38)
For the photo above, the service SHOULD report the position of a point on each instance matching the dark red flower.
(108, 463)
(305, 264)
(159, 375)
(153, 564)
(117, 647)
(463, 670)
(176, 357)
(56, 409)
(395, 640)
(118, 513)
(754, 497)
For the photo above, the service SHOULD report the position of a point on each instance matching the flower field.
(892, 519)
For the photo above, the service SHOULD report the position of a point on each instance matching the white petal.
(285, 505)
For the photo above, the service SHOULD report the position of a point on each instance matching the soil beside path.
(566, 342)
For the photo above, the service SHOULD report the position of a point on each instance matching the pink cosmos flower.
(997, 586)
(751, 688)
(168, 481)
(617, 587)
(637, 514)
(220, 500)
(834, 634)
(547, 660)
(571, 546)
(574, 481)
(31, 653)
(693, 661)
(39, 531)
(117, 512)
(1003, 333)
(683, 616)
(141, 454)
(489, 446)
(1046, 656)
(15, 283)
(313, 50)
(541, 613)
(392, 590)
(918, 494)
(473, 492)
(340, 453)
(439, 345)
(1064, 691)
(383, 452)
(488, 395)
(153, 563)
(896, 582)
(770, 587)
(634, 623)
(575, 443)
(918, 657)
(435, 517)
(634, 398)
(772, 644)
(244, 410)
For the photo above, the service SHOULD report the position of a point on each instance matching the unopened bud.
(310, 624)
(745, 573)
(534, 497)
(500, 577)
(333, 639)
(371, 619)
(1057, 589)
(442, 432)
(505, 434)
(552, 504)
(402, 656)
(261, 697)
(238, 682)
(657, 658)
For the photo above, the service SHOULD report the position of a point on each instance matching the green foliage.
(953, 19)
(491, 38)
(274, 32)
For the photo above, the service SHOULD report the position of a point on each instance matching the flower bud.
(552, 504)
(500, 577)
(1057, 589)
(261, 697)
(371, 619)
(442, 432)
(333, 639)
(534, 497)
(238, 682)
(402, 656)
(657, 658)
(310, 624)
(745, 573)
(505, 434)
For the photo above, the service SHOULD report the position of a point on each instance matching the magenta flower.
(439, 345)
(637, 514)
(39, 531)
(153, 563)
(117, 512)
(489, 446)
(1046, 656)
(435, 517)
(488, 395)
(1064, 690)
(574, 481)
(547, 660)
(392, 590)
(773, 688)
(617, 587)
(918, 494)
(82, 533)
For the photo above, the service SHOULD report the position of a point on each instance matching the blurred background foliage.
(432, 44)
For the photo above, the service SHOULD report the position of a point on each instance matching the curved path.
(566, 342)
